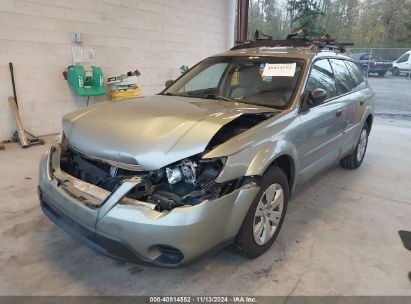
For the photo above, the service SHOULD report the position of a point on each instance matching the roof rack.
(294, 40)
(270, 43)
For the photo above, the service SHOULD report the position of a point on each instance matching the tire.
(395, 72)
(355, 159)
(382, 74)
(252, 240)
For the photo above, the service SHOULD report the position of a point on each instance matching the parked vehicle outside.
(372, 64)
(402, 65)
(210, 161)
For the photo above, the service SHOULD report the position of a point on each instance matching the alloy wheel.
(268, 214)
(362, 145)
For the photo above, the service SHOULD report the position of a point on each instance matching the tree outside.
(366, 23)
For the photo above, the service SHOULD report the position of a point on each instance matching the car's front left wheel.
(266, 215)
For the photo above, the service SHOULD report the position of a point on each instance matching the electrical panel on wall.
(76, 38)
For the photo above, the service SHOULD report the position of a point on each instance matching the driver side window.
(322, 77)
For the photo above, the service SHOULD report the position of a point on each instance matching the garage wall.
(154, 36)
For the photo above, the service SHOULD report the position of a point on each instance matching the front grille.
(93, 170)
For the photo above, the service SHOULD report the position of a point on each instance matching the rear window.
(343, 79)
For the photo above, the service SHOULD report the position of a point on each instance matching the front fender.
(251, 152)
(255, 160)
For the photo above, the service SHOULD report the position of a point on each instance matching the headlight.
(186, 170)
(195, 172)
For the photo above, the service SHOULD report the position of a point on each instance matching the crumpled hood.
(151, 131)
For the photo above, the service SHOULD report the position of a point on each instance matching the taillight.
(374, 63)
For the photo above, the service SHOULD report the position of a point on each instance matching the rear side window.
(321, 77)
(343, 79)
(355, 72)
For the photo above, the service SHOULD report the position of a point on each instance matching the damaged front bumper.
(135, 232)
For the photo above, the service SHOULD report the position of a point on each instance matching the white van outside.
(402, 65)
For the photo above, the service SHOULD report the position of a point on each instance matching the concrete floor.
(392, 96)
(339, 238)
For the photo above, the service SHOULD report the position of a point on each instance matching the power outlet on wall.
(76, 37)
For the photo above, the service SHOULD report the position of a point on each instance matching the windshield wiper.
(209, 96)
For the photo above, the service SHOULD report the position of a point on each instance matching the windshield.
(264, 81)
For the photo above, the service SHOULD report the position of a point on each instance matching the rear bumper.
(141, 235)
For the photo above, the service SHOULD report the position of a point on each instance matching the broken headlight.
(185, 170)
(194, 171)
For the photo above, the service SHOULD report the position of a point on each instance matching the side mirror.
(317, 96)
(169, 83)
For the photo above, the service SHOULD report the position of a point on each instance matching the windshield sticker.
(279, 69)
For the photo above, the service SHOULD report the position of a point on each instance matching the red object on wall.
(65, 75)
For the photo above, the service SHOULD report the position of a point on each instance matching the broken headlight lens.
(195, 172)
(185, 170)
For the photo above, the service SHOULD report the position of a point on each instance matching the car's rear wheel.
(395, 72)
(382, 74)
(266, 215)
(354, 160)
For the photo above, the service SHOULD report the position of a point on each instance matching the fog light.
(174, 175)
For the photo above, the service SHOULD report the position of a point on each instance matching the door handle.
(361, 102)
(338, 113)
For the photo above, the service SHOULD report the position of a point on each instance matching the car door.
(349, 99)
(407, 64)
(355, 106)
(404, 63)
(322, 125)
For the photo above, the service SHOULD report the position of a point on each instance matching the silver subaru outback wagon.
(210, 161)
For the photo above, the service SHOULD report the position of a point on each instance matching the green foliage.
(367, 23)
(306, 14)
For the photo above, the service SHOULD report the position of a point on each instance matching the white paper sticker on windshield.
(279, 69)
